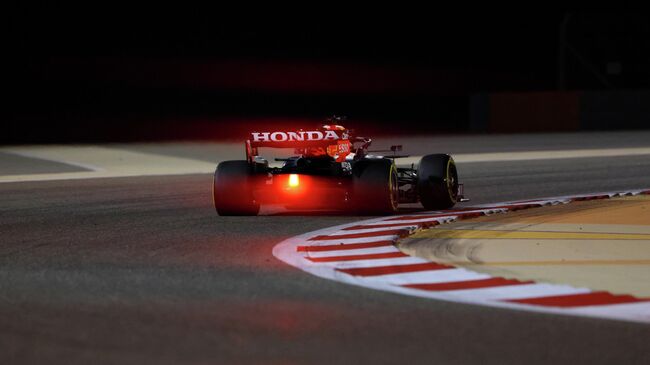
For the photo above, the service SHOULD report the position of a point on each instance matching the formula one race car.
(331, 169)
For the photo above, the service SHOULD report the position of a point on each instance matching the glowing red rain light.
(294, 180)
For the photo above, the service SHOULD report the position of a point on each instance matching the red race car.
(331, 169)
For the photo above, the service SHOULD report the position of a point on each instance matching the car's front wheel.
(437, 182)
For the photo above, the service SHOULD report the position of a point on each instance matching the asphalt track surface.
(142, 270)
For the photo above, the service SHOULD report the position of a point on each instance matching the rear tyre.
(437, 182)
(232, 189)
(375, 187)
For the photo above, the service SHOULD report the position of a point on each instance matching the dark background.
(106, 75)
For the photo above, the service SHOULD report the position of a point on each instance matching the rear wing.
(297, 139)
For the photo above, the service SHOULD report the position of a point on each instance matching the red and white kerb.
(363, 253)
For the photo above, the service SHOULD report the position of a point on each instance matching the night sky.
(73, 65)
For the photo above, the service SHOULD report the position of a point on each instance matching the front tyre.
(437, 182)
(375, 187)
(232, 191)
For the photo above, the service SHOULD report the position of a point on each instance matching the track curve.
(365, 254)
(139, 268)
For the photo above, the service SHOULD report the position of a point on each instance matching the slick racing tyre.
(437, 183)
(375, 187)
(232, 189)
